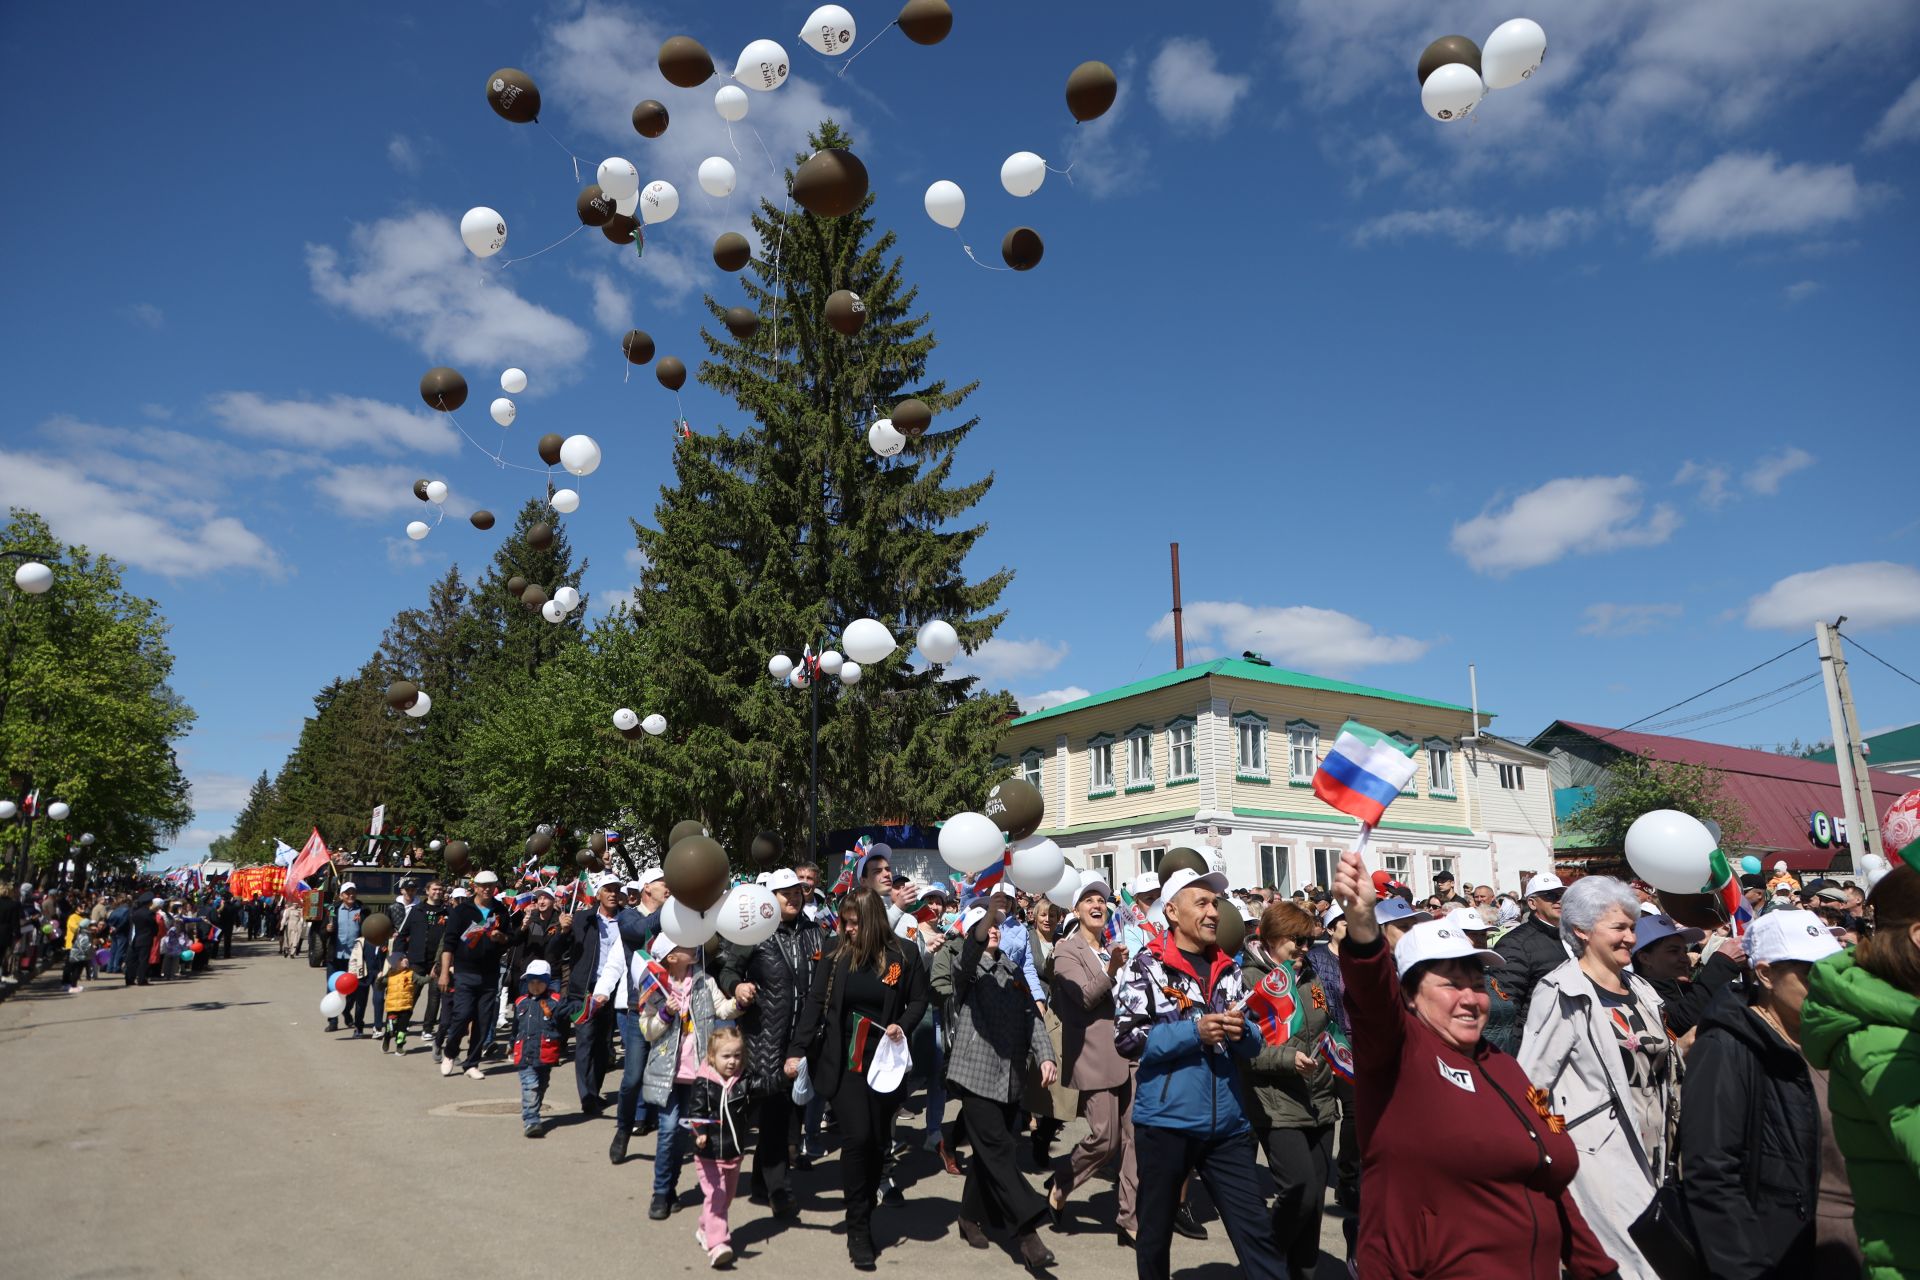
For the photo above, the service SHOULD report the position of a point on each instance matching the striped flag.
(1364, 772)
(861, 1042)
(1274, 1006)
(1721, 883)
(314, 857)
(1334, 1048)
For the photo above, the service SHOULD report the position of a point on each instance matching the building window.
(1413, 785)
(1250, 732)
(1275, 868)
(1438, 865)
(1000, 762)
(1100, 766)
(1399, 866)
(1439, 768)
(1150, 859)
(1182, 765)
(1303, 746)
(1140, 758)
(1325, 862)
(1101, 864)
(1512, 778)
(1030, 764)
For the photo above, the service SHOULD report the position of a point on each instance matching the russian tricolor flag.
(1364, 772)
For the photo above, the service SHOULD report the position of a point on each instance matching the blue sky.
(1608, 389)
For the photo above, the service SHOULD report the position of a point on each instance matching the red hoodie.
(1462, 1177)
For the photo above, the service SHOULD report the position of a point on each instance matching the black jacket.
(540, 939)
(781, 971)
(476, 954)
(703, 1103)
(1771, 1236)
(1685, 1001)
(419, 936)
(1532, 949)
(583, 948)
(906, 1004)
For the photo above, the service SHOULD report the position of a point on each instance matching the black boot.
(1185, 1224)
(860, 1250)
(617, 1149)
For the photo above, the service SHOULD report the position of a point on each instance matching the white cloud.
(1296, 636)
(369, 492)
(1713, 479)
(1573, 515)
(145, 314)
(1901, 123)
(1744, 194)
(1873, 593)
(1032, 702)
(1626, 619)
(220, 792)
(612, 305)
(158, 412)
(1189, 89)
(402, 155)
(1801, 290)
(1765, 475)
(339, 422)
(1462, 226)
(1001, 659)
(1551, 230)
(1104, 156)
(412, 276)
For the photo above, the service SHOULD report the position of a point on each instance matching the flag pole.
(1360, 845)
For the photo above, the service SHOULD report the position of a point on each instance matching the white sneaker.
(719, 1256)
(446, 1066)
(475, 1073)
(78, 987)
(700, 1238)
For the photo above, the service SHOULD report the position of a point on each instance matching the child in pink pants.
(712, 1108)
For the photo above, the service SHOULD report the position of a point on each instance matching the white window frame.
(1101, 864)
(1187, 726)
(1440, 769)
(1149, 859)
(1413, 781)
(1099, 753)
(1242, 770)
(1398, 866)
(1302, 736)
(1276, 867)
(1438, 862)
(1139, 739)
(1033, 767)
(1325, 863)
(1515, 771)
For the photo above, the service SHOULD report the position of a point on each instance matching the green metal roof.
(1240, 669)
(1894, 746)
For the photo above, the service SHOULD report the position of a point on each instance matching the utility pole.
(1856, 787)
(1179, 634)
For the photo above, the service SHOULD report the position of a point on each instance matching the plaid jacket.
(1182, 1082)
(993, 1026)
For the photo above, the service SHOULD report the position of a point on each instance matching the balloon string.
(987, 266)
(771, 171)
(497, 459)
(863, 48)
(564, 147)
(536, 253)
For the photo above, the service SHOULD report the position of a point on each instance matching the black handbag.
(1664, 1231)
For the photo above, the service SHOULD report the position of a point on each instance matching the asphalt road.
(210, 1127)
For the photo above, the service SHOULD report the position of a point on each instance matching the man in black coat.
(141, 926)
(228, 918)
(603, 941)
(1533, 948)
(474, 946)
(418, 937)
(771, 981)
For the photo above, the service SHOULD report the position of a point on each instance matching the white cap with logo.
(1545, 882)
(1438, 940)
(782, 879)
(1187, 877)
(1789, 935)
(1145, 882)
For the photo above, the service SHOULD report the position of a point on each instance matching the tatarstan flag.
(1721, 884)
(861, 1042)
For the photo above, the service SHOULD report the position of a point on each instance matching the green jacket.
(1866, 1032)
(1282, 1098)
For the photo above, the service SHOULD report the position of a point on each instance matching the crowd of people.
(135, 931)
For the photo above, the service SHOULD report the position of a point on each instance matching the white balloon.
(418, 529)
(567, 598)
(749, 915)
(1452, 91)
(762, 66)
(625, 720)
(655, 724)
(1036, 864)
(798, 677)
(884, 440)
(421, 705)
(829, 30)
(618, 177)
(947, 203)
(831, 661)
(59, 811)
(938, 642)
(565, 500)
(552, 612)
(484, 231)
(850, 672)
(580, 455)
(7, 809)
(1066, 890)
(1022, 173)
(434, 845)
(686, 927)
(513, 381)
(504, 411)
(332, 1004)
(971, 843)
(659, 201)
(1512, 53)
(716, 176)
(436, 491)
(779, 666)
(33, 578)
(1669, 850)
(867, 640)
(627, 204)
(731, 102)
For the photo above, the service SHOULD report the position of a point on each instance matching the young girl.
(715, 1102)
(677, 1027)
(399, 1006)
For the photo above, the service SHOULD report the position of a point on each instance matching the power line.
(1882, 661)
(1709, 714)
(1723, 684)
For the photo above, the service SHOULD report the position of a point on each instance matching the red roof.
(1779, 793)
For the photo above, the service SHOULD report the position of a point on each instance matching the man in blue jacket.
(1178, 1013)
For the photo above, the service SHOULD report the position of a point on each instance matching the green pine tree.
(252, 842)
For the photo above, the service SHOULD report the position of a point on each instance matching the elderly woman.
(1051, 1106)
(1449, 1210)
(1596, 1043)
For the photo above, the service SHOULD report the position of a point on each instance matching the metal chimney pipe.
(1179, 636)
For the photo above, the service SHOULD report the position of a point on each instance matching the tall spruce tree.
(780, 531)
(252, 841)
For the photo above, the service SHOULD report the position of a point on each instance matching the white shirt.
(613, 960)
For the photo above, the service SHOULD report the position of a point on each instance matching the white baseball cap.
(1145, 882)
(973, 916)
(1789, 935)
(460, 891)
(1334, 912)
(1545, 882)
(648, 876)
(1651, 928)
(486, 877)
(1092, 882)
(1649, 909)
(1437, 940)
(1187, 877)
(345, 887)
(1468, 919)
(633, 886)
(538, 969)
(605, 880)
(1394, 909)
(782, 879)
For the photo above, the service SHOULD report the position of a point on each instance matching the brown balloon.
(1449, 49)
(598, 842)
(549, 447)
(1182, 858)
(1091, 89)
(766, 848)
(443, 389)
(585, 860)
(685, 830)
(1021, 249)
(845, 312)
(731, 251)
(621, 228)
(540, 841)
(685, 62)
(925, 21)
(1016, 807)
(420, 490)
(458, 859)
(637, 346)
(1694, 910)
(741, 322)
(540, 537)
(634, 734)
(831, 184)
(513, 95)
(671, 372)
(594, 206)
(911, 418)
(402, 694)
(515, 585)
(696, 872)
(377, 928)
(650, 118)
(1231, 931)
(482, 519)
(534, 596)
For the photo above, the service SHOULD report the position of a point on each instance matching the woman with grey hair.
(1596, 1044)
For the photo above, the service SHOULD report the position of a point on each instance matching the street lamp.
(31, 578)
(807, 674)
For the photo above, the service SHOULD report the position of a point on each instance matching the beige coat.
(1083, 998)
(1569, 1050)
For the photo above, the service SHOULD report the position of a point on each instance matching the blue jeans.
(631, 1108)
(533, 1090)
(671, 1150)
(119, 956)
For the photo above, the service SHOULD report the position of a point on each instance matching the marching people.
(418, 938)
(677, 1026)
(613, 987)
(400, 995)
(340, 929)
(1596, 1044)
(597, 959)
(1533, 948)
(715, 1106)
(1049, 1105)
(469, 972)
(539, 1030)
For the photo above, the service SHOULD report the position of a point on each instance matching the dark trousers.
(1299, 1160)
(475, 1004)
(866, 1120)
(71, 971)
(1349, 1133)
(771, 1175)
(430, 1019)
(1233, 1181)
(997, 1194)
(226, 945)
(137, 967)
(593, 1053)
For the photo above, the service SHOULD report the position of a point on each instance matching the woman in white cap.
(1755, 1126)
(1596, 1042)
